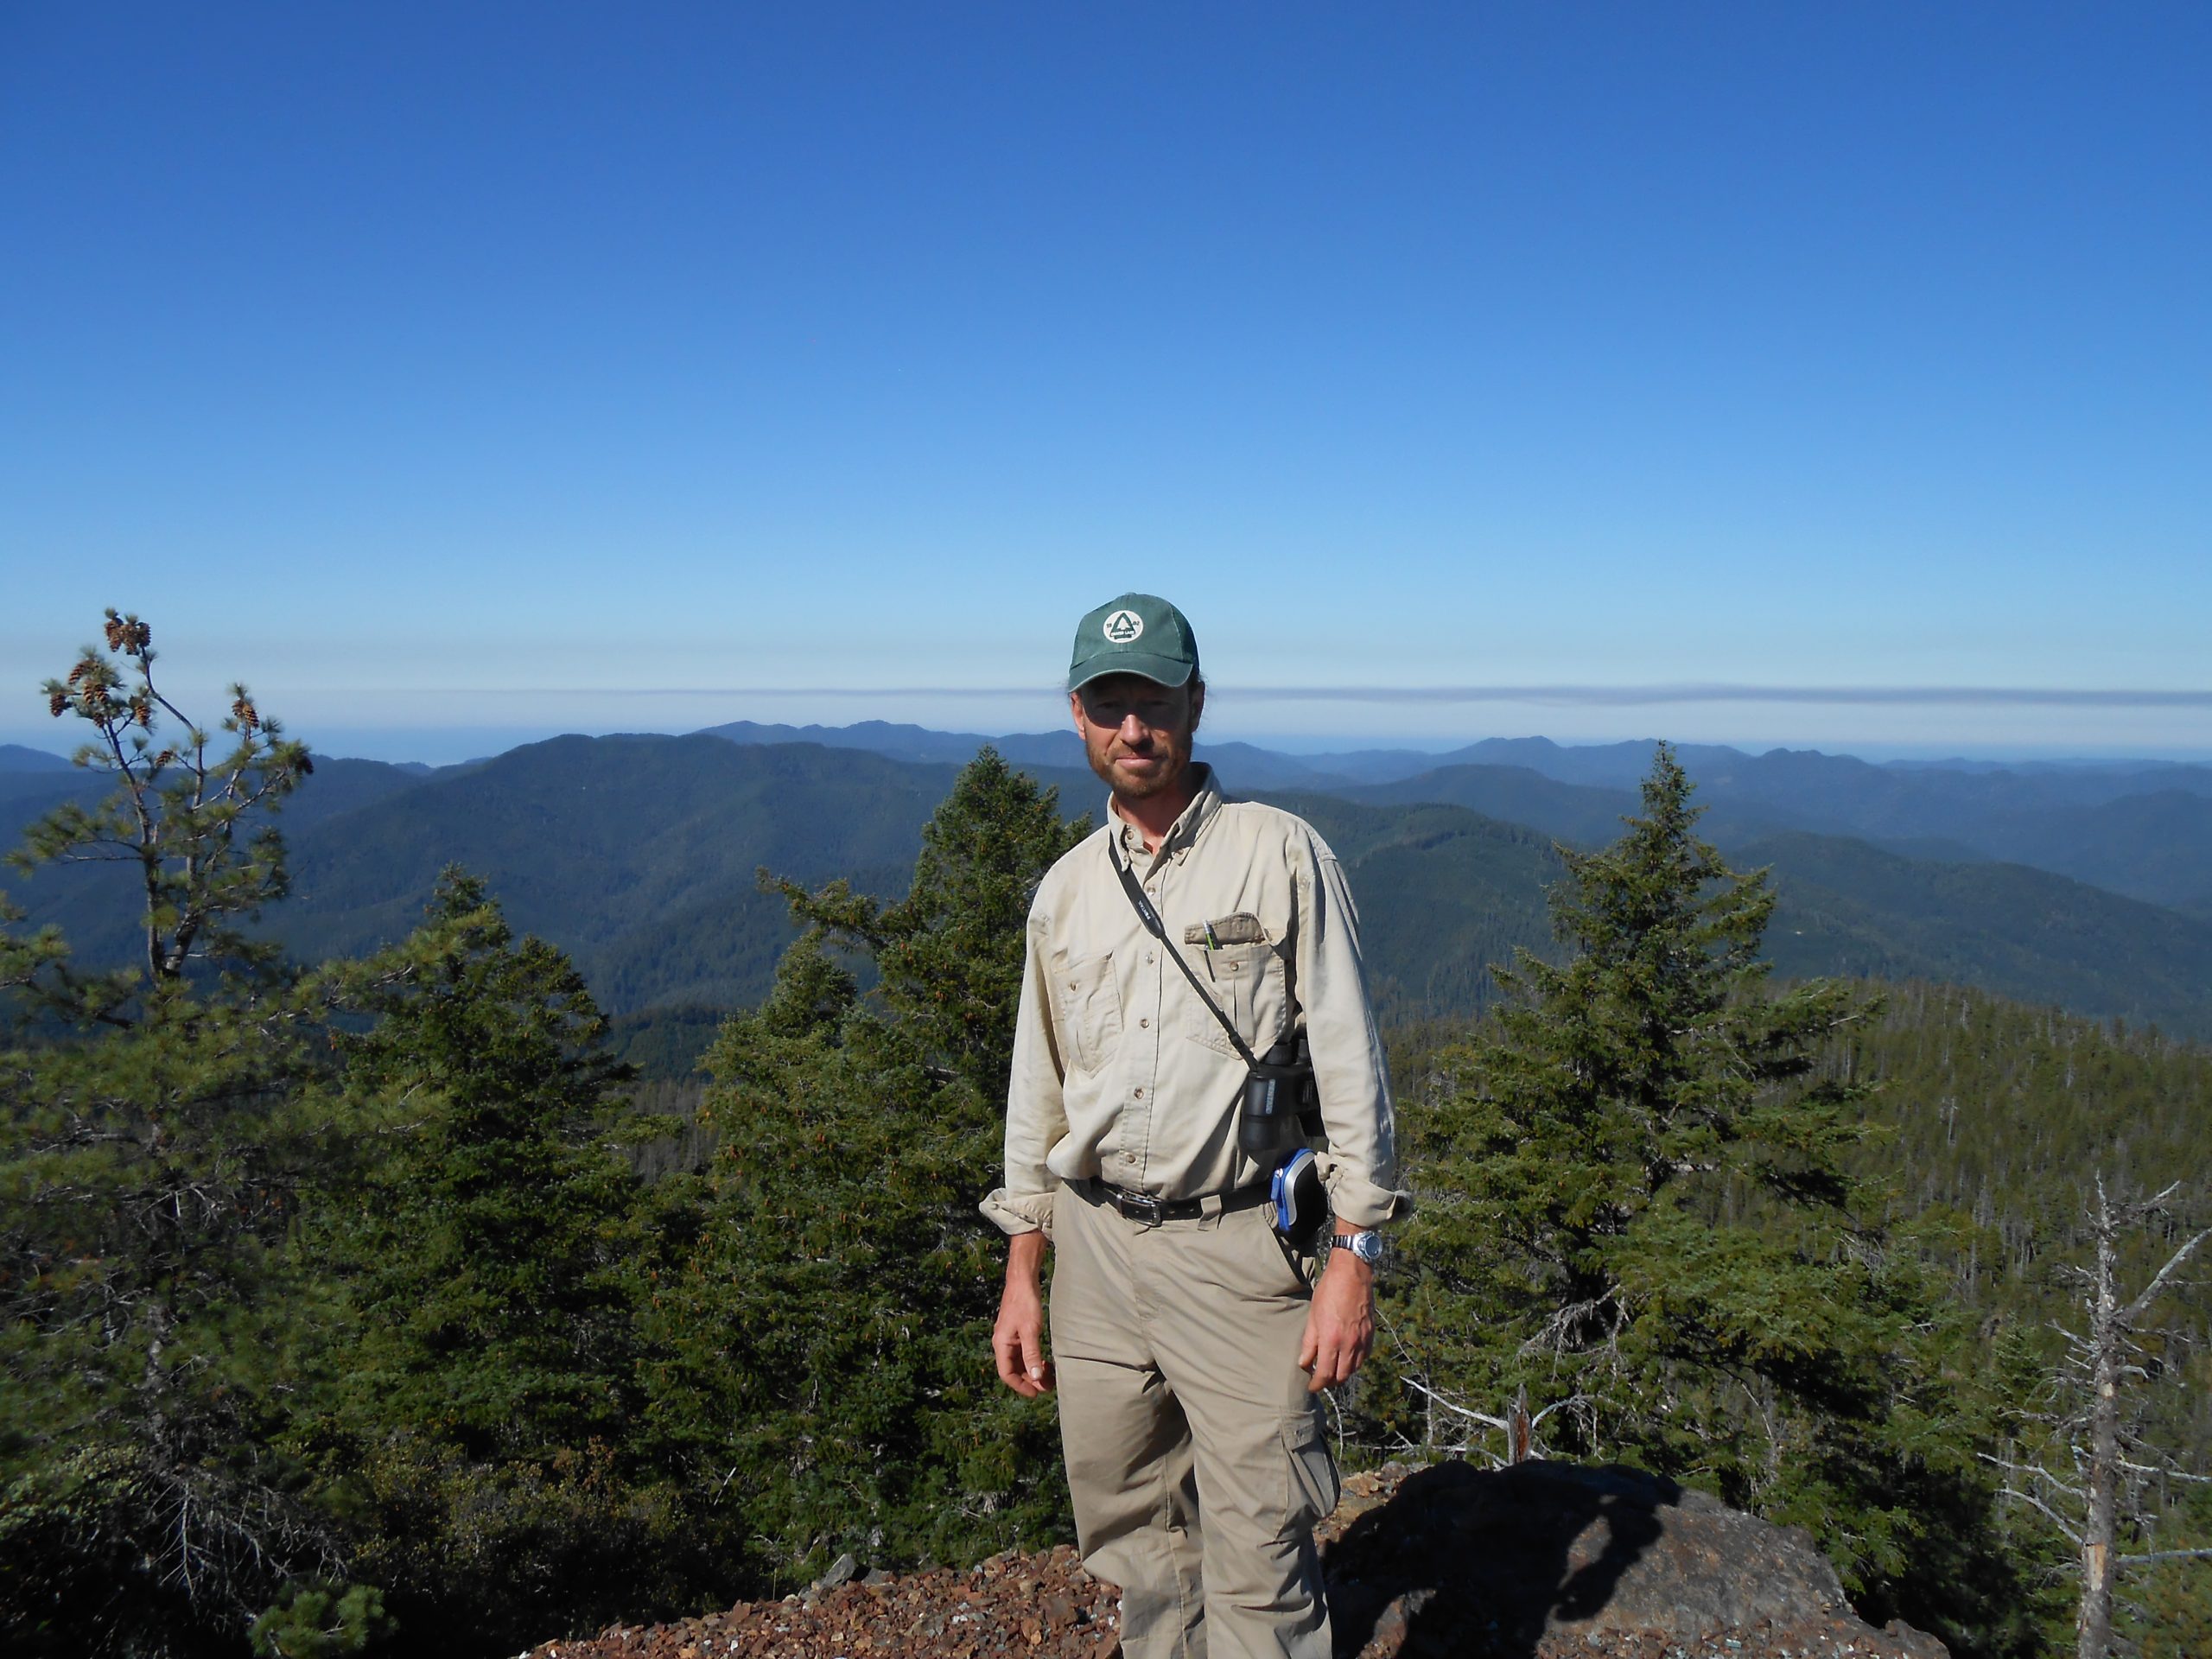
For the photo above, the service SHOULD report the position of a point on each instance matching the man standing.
(1188, 1352)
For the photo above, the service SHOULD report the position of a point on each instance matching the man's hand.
(1339, 1322)
(1019, 1339)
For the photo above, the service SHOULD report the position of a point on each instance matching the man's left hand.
(1339, 1322)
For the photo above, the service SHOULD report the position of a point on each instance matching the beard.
(1175, 758)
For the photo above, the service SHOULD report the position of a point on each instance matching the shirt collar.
(1187, 828)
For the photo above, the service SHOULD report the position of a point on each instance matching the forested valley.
(375, 1299)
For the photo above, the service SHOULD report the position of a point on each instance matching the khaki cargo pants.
(1196, 1458)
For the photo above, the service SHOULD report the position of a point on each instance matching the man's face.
(1137, 732)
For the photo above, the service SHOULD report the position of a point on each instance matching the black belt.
(1142, 1206)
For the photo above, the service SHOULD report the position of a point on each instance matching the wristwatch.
(1366, 1244)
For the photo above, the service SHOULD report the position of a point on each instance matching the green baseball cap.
(1137, 633)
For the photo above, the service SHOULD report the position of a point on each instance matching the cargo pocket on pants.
(1314, 1489)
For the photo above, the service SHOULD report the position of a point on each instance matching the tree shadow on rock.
(1468, 1561)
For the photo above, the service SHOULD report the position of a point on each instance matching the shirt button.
(1147, 955)
(1144, 1022)
(1138, 1092)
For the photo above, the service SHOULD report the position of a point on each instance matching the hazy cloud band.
(1599, 696)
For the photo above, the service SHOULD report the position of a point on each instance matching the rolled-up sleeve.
(1035, 1115)
(1348, 1062)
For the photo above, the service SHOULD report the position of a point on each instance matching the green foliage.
(315, 1619)
(666, 1044)
(2166, 1607)
(827, 1334)
(1640, 1216)
(1996, 1117)
(147, 1181)
(488, 1253)
(477, 1414)
(194, 823)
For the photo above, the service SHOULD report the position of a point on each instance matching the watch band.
(1366, 1244)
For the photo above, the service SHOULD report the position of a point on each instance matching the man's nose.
(1133, 730)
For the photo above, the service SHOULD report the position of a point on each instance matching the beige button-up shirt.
(1119, 1071)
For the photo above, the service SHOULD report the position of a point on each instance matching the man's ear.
(1075, 712)
(1198, 702)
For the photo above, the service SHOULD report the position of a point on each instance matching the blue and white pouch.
(1300, 1201)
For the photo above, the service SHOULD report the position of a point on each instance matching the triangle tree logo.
(1124, 627)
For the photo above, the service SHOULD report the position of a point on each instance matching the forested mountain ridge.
(2143, 828)
(639, 854)
(1056, 751)
(2153, 843)
(1851, 908)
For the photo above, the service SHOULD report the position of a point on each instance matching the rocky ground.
(1545, 1561)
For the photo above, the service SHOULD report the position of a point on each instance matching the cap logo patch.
(1124, 627)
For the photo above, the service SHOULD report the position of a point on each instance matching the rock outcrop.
(1541, 1562)
(1550, 1557)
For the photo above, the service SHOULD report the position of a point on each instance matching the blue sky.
(454, 373)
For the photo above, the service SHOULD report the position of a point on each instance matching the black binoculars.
(1279, 1090)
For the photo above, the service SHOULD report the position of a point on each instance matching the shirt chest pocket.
(1087, 1009)
(1248, 982)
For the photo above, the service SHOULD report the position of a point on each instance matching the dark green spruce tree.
(156, 1129)
(1640, 1237)
(477, 1418)
(826, 1366)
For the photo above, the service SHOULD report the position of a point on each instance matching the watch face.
(1368, 1247)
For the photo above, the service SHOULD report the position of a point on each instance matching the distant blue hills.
(13, 756)
(2142, 827)
(2087, 886)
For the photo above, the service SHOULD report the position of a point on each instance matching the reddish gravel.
(1046, 1606)
(1039, 1604)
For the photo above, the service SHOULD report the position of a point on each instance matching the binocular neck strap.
(1150, 917)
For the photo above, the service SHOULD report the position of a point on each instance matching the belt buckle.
(1141, 1206)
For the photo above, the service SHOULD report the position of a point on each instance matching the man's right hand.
(1019, 1339)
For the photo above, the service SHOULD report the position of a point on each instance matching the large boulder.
(1452, 1559)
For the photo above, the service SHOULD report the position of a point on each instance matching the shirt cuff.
(1018, 1213)
(1360, 1202)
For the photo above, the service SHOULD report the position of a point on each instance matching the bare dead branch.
(2136, 1309)
(2048, 1513)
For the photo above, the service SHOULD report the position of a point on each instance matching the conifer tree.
(1640, 1235)
(477, 1414)
(827, 1356)
(153, 1131)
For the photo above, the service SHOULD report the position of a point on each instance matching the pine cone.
(114, 631)
(57, 703)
